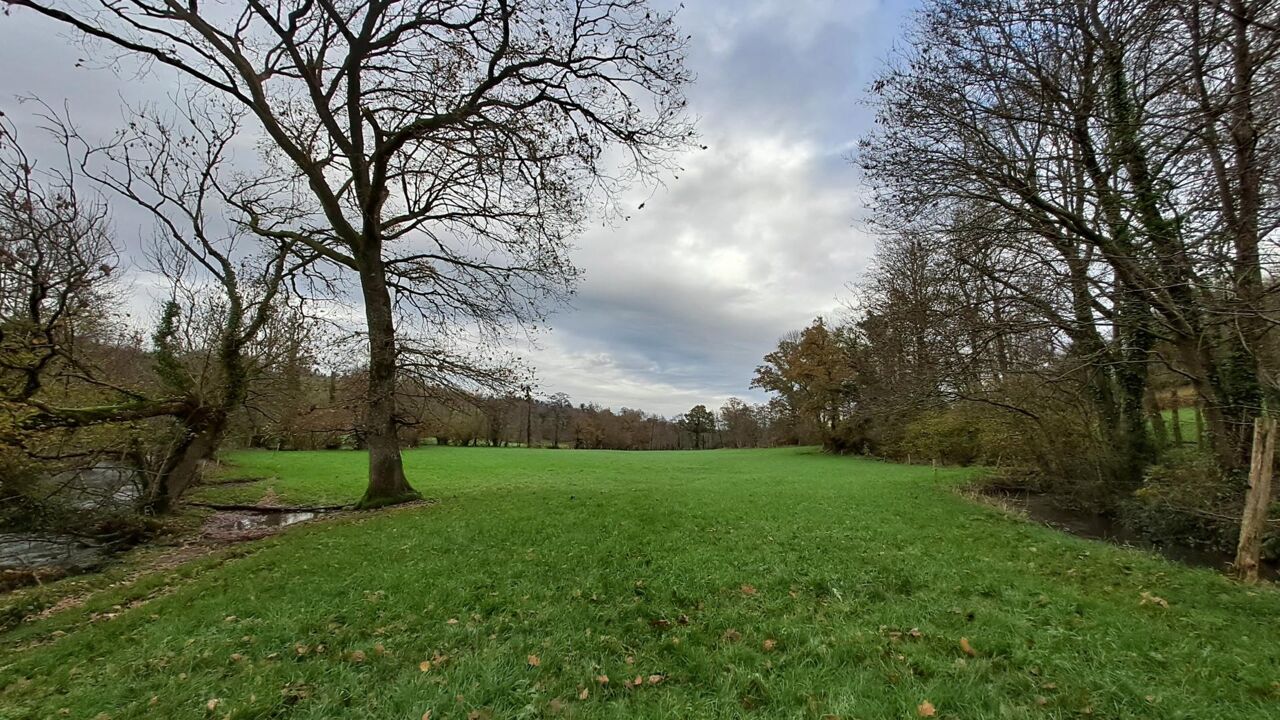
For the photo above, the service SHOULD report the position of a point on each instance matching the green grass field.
(755, 583)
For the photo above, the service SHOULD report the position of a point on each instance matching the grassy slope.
(573, 556)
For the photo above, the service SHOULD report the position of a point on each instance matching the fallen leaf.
(213, 704)
(584, 694)
(683, 619)
(655, 679)
(602, 679)
(660, 623)
(926, 709)
(748, 589)
(1149, 599)
(631, 660)
(555, 705)
(915, 633)
(426, 715)
(770, 644)
(380, 649)
(357, 656)
(534, 661)
(424, 666)
(966, 648)
(236, 657)
(732, 635)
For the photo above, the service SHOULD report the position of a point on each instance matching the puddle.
(1043, 510)
(272, 519)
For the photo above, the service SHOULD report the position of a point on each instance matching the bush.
(1187, 499)
(966, 434)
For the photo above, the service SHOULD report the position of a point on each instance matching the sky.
(759, 235)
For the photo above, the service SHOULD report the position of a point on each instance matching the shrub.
(1186, 499)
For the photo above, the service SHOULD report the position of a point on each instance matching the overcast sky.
(757, 237)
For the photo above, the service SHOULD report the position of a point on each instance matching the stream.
(1042, 509)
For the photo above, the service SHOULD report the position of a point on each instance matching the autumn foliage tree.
(814, 371)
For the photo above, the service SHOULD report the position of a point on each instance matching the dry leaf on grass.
(966, 648)
(926, 709)
(1149, 599)
(534, 661)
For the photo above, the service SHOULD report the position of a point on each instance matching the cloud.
(755, 238)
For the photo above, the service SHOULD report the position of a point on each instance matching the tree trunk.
(1254, 518)
(1158, 428)
(201, 436)
(1175, 416)
(1199, 417)
(387, 483)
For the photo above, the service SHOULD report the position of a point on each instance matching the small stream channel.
(23, 556)
(1043, 509)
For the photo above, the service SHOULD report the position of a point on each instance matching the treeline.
(301, 409)
(1076, 204)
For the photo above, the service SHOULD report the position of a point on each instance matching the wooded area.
(1077, 212)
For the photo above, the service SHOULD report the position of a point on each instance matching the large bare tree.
(1106, 164)
(448, 148)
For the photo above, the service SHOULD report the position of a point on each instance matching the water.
(103, 486)
(25, 551)
(1042, 509)
(271, 519)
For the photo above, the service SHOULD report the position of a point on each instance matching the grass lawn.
(755, 583)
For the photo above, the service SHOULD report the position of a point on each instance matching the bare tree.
(446, 147)
(226, 286)
(1114, 148)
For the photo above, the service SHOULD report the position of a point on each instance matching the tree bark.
(387, 482)
(1175, 415)
(201, 437)
(1254, 518)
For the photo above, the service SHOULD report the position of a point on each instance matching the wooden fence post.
(1257, 501)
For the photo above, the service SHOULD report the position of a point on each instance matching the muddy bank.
(1044, 509)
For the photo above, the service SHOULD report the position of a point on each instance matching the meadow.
(592, 584)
